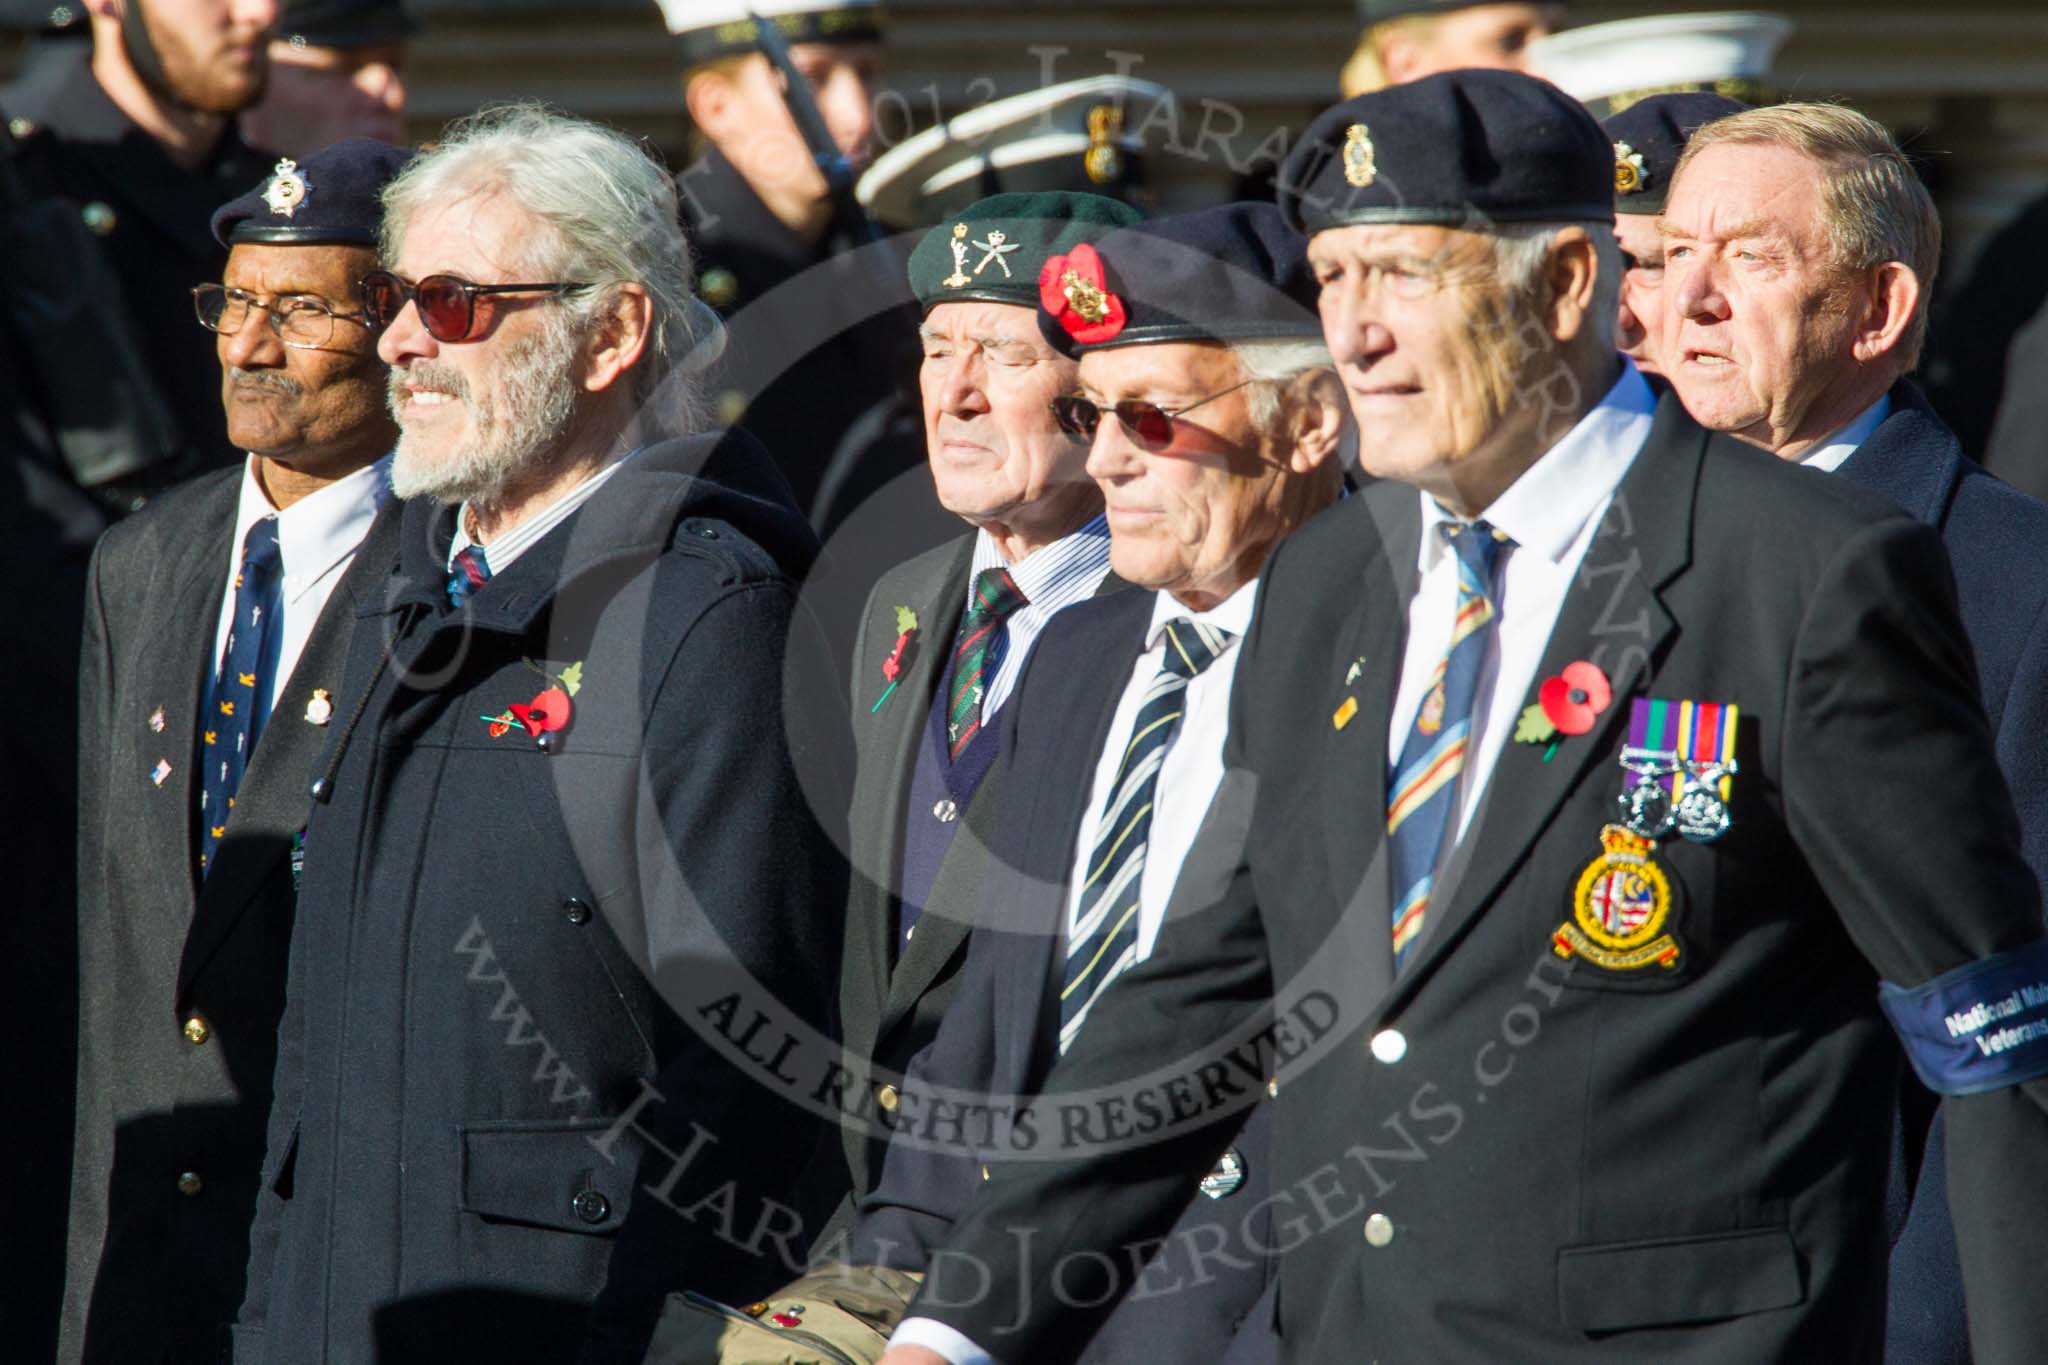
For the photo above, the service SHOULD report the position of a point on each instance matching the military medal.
(1683, 756)
(1619, 908)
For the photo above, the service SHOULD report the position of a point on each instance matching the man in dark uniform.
(1592, 1079)
(112, 176)
(337, 70)
(821, 325)
(181, 938)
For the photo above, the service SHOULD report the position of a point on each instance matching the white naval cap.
(716, 28)
(1608, 67)
(1077, 135)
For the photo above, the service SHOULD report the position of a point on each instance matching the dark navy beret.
(1379, 11)
(345, 23)
(1236, 272)
(1458, 149)
(993, 249)
(332, 196)
(1649, 136)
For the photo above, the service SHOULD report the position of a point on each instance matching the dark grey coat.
(499, 946)
(153, 1273)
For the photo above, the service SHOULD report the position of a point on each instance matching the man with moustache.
(560, 854)
(924, 712)
(1807, 357)
(1605, 1078)
(217, 624)
(337, 70)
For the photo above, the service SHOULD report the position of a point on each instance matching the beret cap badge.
(287, 188)
(959, 279)
(1630, 174)
(1074, 290)
(1361, 166)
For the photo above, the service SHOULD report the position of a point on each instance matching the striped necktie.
(1104, 940)
(995, 597)
(240, 699)
(1424, 790)
(472, 570)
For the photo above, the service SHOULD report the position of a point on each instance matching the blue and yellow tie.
(240, 700)
(979, 650)
(472, 570)
(1424, 790)
(1105, 937)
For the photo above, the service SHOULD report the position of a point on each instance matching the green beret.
(992, 250)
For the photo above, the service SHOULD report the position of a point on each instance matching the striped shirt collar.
(1069, 570)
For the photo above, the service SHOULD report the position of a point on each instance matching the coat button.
(99, 218)
(888, 1097)
(1389, 1046)
(591, 1206)
(196, 1031)
(190, 1184)
(578, 912)
(1379, 1230)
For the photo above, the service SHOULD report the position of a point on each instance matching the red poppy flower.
(893, 665)
(1575, 697)
(548, 711)
(1074, 289)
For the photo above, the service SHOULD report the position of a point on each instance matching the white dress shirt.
(1830, 454)
(1067, 571)
(317, 538)
(1552, 514)
(1188, 778)
(500, 553)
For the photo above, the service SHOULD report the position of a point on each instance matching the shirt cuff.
(934, 1335)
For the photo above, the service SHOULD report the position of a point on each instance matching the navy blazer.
(999, 1038)
(1995, 537)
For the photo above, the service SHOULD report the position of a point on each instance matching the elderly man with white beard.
(560, 855)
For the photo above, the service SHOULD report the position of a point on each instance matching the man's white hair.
(1274, 364)
(604, 214)
(1519, 253)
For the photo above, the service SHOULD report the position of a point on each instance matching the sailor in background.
(337, 70)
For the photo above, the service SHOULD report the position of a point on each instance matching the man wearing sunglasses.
(559, 834)
(1607, 802)
(217, 625)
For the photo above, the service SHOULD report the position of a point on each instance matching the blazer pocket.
(1620, 1285)
(279, 1163)
(545, 1173)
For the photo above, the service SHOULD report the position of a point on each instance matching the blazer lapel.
(883, 776)
(1357, 712)
(179, 655)
(271, 805)
(1611, 618)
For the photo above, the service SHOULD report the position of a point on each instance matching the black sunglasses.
(1150, 425)
(447, 303)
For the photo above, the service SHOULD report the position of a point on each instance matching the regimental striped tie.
(1105, 937)
(472, 570)
(979, 650)
(1424, 790)
(240, 700)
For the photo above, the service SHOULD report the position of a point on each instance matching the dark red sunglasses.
(1150, 425)
(447, 303)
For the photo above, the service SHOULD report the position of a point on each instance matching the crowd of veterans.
(797, 762)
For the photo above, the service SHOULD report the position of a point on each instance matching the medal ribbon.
(1698, 732)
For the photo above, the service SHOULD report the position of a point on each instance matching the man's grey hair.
(604, 214)
(1274, 364)
(1873, 205)
(1520, 251)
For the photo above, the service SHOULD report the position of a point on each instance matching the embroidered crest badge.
(286, 189)
(1620, 908)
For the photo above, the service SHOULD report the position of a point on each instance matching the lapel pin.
(892, 667)
(320, 709)
(156, 721)
(161, 772)
(1357, 667)
(1345, 713)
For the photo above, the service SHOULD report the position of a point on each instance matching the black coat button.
(591, 1206)
(577, 911)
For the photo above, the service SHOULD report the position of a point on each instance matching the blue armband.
(1977, 1028)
